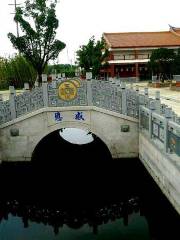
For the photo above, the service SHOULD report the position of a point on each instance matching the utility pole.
(15, 4)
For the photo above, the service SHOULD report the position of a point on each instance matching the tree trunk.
(39, 76)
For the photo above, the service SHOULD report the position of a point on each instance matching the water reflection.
(75, 219)
(96, 208)
(84, 194)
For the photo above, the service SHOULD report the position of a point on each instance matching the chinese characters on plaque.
(58, 117)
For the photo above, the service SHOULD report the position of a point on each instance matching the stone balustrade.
(156, 119)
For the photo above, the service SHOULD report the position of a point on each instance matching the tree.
(177, 62)
(92, 56)
(162, 63)
(16, 71)
(38, 44)
(68, 69)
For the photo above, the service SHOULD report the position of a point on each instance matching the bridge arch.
(79, 125)
(31, 129)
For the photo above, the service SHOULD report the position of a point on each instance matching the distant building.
(131, 51)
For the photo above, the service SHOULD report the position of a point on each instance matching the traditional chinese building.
(130, 51)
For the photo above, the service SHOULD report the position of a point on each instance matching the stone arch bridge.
(130, 123)
(20, 136)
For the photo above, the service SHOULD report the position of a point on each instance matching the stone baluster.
(157, 102)
(146, 94)
(124, 98)
(168, 116)
(178, 120)
(53, 77)
(26, 87)
(36, 84)
(152, 107)
(12, 94)
(137, 100)
(45, 90)
(168, 112)
(137, 89)
(89, 92)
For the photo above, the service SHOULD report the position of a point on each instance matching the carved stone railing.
(5, 113)
(106, 95)
(55, 101)
(161, 127)
(29, 101)
(156, 119)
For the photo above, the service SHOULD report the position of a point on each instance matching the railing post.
(168, 115)
(146, 93)
(152, 108)
(36, 84)
(45, 90)
(140, 110)
(12, 94)
(124, 98)
(89, 92)
(157, 102)
(137, 100)
(26, 86)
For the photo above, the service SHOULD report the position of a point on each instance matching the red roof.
(143, 39)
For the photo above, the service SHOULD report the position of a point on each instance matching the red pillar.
(178, 83)
(136, 65)
(137, 71)
(112, 70)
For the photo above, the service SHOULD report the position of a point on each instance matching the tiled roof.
(143, 39)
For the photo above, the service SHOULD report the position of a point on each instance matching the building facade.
(130, 52)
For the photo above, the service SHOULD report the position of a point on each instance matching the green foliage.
(38, 23)
(176, 67)
(162, 63)
(16, 71)
(68, 69)
(92, 56)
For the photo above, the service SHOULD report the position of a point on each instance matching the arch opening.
(76, 136)
(70, 166)
(71, 150)
(70, 145)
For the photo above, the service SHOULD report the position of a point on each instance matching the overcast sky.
(81, 19)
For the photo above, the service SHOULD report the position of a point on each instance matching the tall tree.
(92, 56)
(67, 69)
(16, 71)
(177, 62)
(162, 62)
(38, 23)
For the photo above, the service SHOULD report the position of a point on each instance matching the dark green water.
(127, 206)
(83, 194)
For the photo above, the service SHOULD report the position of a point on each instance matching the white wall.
(34, 126)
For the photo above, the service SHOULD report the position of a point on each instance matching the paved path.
(169, 97)
(5, 94)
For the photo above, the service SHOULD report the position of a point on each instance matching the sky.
(81, 19)
(76, 136)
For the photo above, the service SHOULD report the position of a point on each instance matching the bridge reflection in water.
(80, 191)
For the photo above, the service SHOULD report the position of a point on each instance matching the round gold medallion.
(67, 91)
(76, 82)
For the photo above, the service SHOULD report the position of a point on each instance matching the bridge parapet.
(162, 128)
(104, 94)
(55, 101)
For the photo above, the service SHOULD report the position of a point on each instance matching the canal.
(77, 191)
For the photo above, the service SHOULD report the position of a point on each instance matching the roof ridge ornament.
(173, 30)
